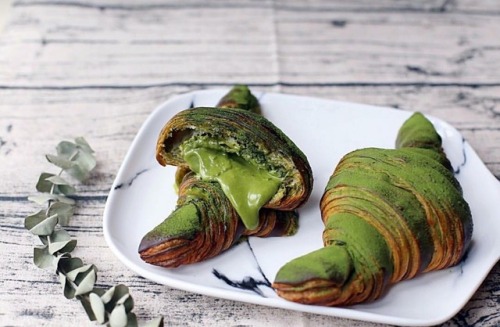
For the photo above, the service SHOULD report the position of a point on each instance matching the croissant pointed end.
(315, 278)
(175, 231)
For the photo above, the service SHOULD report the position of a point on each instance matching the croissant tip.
(145, 245)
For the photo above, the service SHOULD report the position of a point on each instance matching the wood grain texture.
(98, 68)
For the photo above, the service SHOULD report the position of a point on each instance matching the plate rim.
(341, 312)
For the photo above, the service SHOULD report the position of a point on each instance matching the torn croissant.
(235, 169)
(205, 224)
(389, 215)
(244, 152)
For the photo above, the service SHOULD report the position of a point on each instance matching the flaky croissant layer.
(206, 221)
(389, 215)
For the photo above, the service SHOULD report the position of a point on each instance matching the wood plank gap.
(221, 84)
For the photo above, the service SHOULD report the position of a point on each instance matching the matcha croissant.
(389, 215)
(205, 224)
(254, 162)
(206, 220)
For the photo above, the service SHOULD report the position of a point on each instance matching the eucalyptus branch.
(111, 307)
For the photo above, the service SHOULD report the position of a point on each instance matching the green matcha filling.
(247, 186)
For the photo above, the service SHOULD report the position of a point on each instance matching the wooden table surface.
(97, 69)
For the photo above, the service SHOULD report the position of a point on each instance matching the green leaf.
(67, 246)
(59, 259)
(97, 308)
(127, 302)
(60, 161)
(59, 236)
(39, 224)
(42, 258)
(50, 183)
(131, 320)
(118, 317)
(83, 164)
(158, 322)
(68, 289)
(43, 185)
(45, 197)
(60, 241)
(83, 145)
(64, 212)
(99, 291)
(111, 297)
(73, 274)
(66, 149)
(58, 180)
(61, 185)
(85, 281)
(78, 173)
(108, 295)
(68, 264)
(34, 219)
(85, 301)
(86, 161)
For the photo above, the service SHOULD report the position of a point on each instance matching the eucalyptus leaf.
(60, 241)
(32, 220)
(65, 246)
(50, 183)
(61, 185)
(77, 280)
(39, 224)
(86, 284)
(73, 274)
(42, 258)
(44, 239)
(108, 295)
(65, 148)
(123, 299)
(99, 291)
(59, 235)
(56, 179)
(45, 197)
(97, 308)
(118, 292)
(126, 301)
(60, 161)
(157, 322)
(118, 317)
(86, 161)
(68, 288)
(78, 173)
(66, 265)
(64, 212)
(131, 320)
(85, 301)
(42, 198)
(83, 145)
(59, 259)
(43, 185)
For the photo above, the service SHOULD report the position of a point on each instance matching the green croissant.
(206, 221)
(389, 215)
(204, 224)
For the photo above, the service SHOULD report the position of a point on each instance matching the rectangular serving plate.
(143, 195)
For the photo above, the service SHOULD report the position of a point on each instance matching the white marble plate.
(143, 195)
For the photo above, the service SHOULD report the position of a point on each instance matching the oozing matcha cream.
(247, 186)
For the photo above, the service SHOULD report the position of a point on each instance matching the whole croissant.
(205, 223)
(389, 215)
